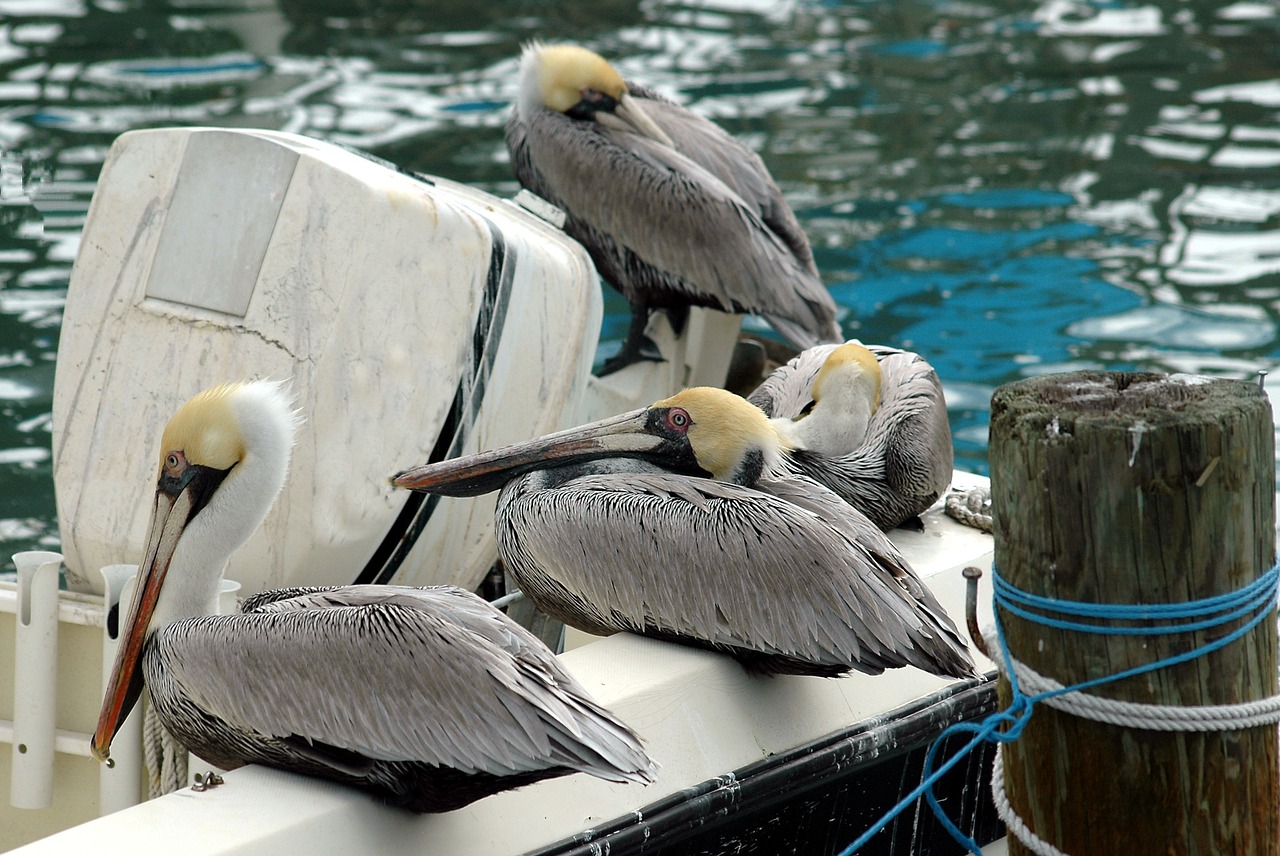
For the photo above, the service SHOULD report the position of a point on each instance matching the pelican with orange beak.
(428, 698)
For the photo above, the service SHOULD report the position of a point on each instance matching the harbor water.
(1008, 188)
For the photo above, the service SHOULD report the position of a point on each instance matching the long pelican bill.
(630, 112)
(472, 475)
(167, 523)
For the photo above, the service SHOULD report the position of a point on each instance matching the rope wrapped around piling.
(1254, 602)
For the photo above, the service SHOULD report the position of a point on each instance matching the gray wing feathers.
(894, 580)
(683, 213)
(731, 162)
(919, 457)
(750, 570)
(432, 675)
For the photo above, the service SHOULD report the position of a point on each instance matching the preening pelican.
(673, 210)
(676, 521)
(427, 698)
(870, 424)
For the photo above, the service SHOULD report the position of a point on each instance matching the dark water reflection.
(1008, 188)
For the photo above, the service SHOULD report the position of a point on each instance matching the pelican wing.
(398, 674)
(916, 438)
(639, 204)
(719, 562)
(729, 160)
(939, 639)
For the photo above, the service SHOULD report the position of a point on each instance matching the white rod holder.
(35, 679)
(225, 600)
(119, 786)
(709, 350)
(223, 603)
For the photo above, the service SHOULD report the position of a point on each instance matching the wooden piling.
(1138, 488)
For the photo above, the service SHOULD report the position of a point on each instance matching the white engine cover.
(415, 318)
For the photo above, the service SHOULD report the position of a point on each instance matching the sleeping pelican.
(427, 698)
(870, 424)
(673, 210)
(677, 521)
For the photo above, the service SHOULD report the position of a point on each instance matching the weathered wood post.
(1138, 488)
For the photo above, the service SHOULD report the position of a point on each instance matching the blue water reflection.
(1008, 188)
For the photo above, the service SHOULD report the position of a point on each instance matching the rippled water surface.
(1008, 188)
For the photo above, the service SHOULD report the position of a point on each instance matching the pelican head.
(846, 394)
(582, 85)
(223, 459)
(700, 431)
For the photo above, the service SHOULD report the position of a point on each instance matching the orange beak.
(167, 523)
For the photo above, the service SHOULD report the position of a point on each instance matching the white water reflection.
(1234, 329)
(26, 457)
(11, 390)
(1070, 18)
(1010, 188)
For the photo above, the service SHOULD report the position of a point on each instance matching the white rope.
(1127, 714)
(166, 758)
(1012, 822)
(971, 507)
(1132, 714)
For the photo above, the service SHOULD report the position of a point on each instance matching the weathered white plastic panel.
(212, 255)
(700, 715)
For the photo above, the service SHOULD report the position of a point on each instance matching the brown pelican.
(676, 521)
(427, 698)
(673, 210)
(870, 424)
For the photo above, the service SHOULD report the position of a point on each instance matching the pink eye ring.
(678, 419)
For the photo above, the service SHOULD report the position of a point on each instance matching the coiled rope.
(165, 757)
(1256, 601)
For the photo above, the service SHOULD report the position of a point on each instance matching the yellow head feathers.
(724, 428)
(855, 357)
(206, 430)
(564, 71)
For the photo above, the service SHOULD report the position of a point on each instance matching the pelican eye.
(678, 419)
(175, 462)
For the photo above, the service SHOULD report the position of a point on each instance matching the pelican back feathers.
(744, 570)
(432, 678)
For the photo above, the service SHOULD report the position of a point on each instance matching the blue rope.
(1258, 598)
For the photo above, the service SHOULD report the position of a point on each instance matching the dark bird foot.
(636, 347)
(642, 349)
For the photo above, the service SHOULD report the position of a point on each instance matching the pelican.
(673, 210)
(870, 424)
(427, 698)
(677, 521)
